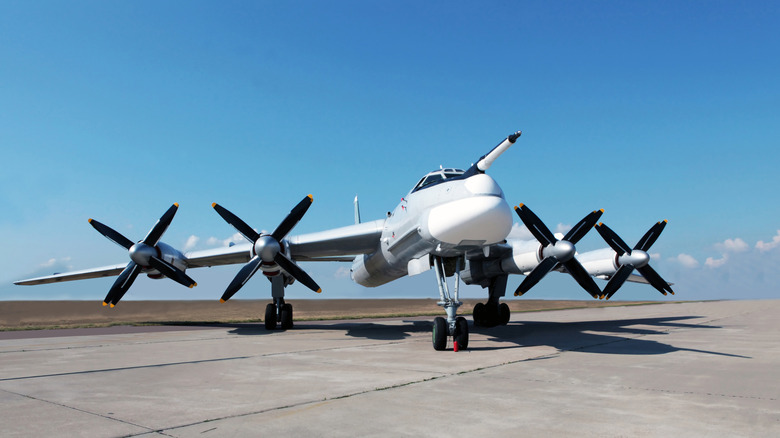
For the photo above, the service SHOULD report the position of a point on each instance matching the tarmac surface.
(692, 369)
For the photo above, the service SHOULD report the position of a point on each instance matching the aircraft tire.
(439, 333)
(270, 316)
(461, 333)
(504, 314)
(287, 316)
(479, 315)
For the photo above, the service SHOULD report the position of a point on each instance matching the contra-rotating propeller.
(143, 255)
(629, 259)
(267, 248)
(556, 251)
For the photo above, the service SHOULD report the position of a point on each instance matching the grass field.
(28, 315)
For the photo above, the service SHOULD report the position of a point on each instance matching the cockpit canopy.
(437, 177)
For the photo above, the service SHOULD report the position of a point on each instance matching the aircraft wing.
(338, 244)
(105, 271)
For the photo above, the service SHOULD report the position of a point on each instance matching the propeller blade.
(535, 225)
(581, 229)
(655, 279)
(159, 228)
(651, 236)
(613, 240)
(536, 275)
(292, 219)
(172, 272)
(296, 272)
(111, 234)
(576, 270)
(237, 223)
(241, 278)
(122, 284)
(617, 280)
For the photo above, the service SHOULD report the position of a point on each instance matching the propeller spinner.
(556, 251)
(629, 259)
(267, 248)
(143, 255)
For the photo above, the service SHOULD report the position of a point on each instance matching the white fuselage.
(444, 219)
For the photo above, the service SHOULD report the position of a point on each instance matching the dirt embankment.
(15, 315)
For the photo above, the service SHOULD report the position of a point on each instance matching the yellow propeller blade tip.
(176, 204)
(213, 204)
(89, 220)
(105, 304)
(666, 221)
(221, 300)
(112, 306)
(521, 205)
(601, 210)
(311, 198)
(671, 292)
(517, 208)
(193, 285)
(601, 223)
(319, 290)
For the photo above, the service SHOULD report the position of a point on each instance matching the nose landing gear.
(454, 326)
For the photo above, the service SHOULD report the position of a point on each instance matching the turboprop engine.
(148, 255)
(535, 259)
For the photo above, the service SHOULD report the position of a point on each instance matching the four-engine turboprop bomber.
(453, 221)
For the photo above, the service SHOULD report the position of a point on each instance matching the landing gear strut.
(455, 326)
(278, 311)
(493, 313)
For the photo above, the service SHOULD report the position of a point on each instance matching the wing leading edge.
(338, 244)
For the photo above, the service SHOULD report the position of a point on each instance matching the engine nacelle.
(170, 255)
(600, 262)
(372, 270)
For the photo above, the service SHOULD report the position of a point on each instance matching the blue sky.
(653, 110)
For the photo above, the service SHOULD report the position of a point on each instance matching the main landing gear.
(454, 326)
(492, 313)
(278, 311)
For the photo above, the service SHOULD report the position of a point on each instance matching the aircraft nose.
(482, 184)
(476, 220)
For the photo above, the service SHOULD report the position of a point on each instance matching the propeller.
(267, 248)
(629, 259)
(556, 251)
(143, 255)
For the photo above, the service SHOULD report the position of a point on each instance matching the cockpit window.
(438, 176)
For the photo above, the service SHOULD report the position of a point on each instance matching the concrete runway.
(697, 369)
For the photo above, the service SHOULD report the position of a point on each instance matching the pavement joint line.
(108, 370)
(119, 420)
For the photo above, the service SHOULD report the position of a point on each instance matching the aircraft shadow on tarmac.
(621, 336)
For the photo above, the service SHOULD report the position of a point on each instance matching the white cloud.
(686, 260)
(519, 232)
(655, 256)
(763, 247)
(191, 242)
(562, 228)
(732, 245)
(716, 263)
(234, 239)
(342, 272)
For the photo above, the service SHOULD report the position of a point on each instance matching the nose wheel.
(453, 326)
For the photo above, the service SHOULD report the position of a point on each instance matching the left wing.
(105, 271)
